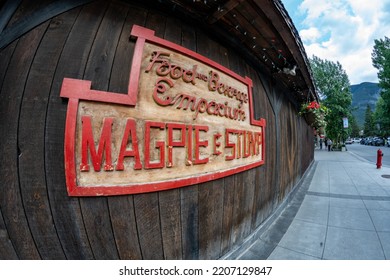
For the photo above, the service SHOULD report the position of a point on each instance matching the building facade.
(147, 129)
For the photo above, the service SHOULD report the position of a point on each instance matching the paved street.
(340, 211)
(369, 153)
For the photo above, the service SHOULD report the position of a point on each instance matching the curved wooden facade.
(44, 42)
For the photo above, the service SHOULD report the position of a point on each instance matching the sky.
(343, 31)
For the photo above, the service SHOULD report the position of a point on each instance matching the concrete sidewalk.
(341, 211)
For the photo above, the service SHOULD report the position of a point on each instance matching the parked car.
(378, 141)
(368, 141)
(356, 140)
(373, 140)
(388, 141)
(348, 141)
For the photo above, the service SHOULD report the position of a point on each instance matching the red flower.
(313, 105)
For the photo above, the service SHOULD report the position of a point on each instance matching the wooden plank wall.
(37, 218)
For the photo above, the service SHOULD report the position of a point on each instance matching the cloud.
(310, 35)
(344, 31)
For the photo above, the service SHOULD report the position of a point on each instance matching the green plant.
(314, 113)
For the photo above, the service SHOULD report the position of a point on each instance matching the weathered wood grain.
(148, 225)
(7, 250)
(228, 213)
(66, 211)
(38, 220)
(47, 9)
(190, 222)
(11, 96)
(210, 219)
(32, 123)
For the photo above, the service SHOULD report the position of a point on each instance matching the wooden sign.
(185, 120)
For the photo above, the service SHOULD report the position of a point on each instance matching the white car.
(348, 141)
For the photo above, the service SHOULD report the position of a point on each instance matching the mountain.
(363, 94)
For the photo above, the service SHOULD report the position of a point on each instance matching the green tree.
(333, 85)
(381, 61)
(380, 118)
(369, 123)
(355, 129)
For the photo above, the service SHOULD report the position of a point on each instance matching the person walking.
(329, 144)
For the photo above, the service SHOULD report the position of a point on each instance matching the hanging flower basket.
(314, 114)
(310, 118)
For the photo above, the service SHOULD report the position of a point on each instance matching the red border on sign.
(76, 90)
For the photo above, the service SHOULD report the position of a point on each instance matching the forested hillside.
(363, 94)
